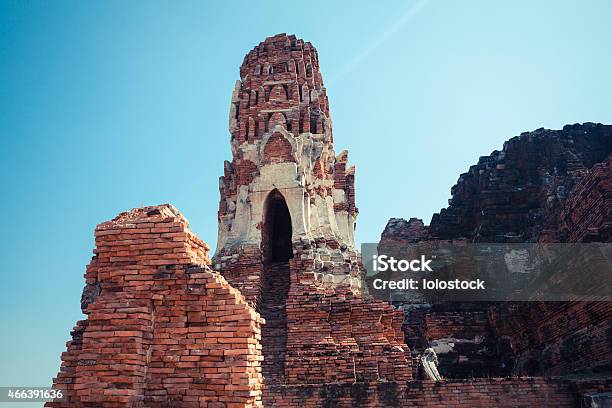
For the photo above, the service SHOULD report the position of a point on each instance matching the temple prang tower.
(286, 230)
(283, 158)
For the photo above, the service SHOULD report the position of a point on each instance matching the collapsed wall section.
(162, 329)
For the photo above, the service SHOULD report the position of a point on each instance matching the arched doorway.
(277, 231)
(275, 284)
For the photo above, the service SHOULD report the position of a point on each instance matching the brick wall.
(342, 337)
(496, 392)
(162, 328)
(555, 338)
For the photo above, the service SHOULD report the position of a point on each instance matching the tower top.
(280, 84)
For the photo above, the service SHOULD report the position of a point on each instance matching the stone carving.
(429, 364)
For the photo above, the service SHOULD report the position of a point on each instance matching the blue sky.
(112, 105)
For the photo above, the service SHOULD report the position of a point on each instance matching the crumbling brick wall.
(162, 328)
(546, 186)
(510, 195)
(564, 337)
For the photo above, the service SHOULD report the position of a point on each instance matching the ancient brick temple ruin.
(543, 186)
(286, 223)
(279, 316)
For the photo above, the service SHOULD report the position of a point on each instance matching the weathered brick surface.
(586, 215)
(556, 338)
(279, 75)
(496, 392)
(566, 337)
(162, 328)
(322, 334)
(512, 194)
(342, 337)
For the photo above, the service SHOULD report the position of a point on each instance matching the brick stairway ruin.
(272, 307)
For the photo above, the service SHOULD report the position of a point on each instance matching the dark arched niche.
(276, 232)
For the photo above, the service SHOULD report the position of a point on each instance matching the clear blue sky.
(112, 105)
